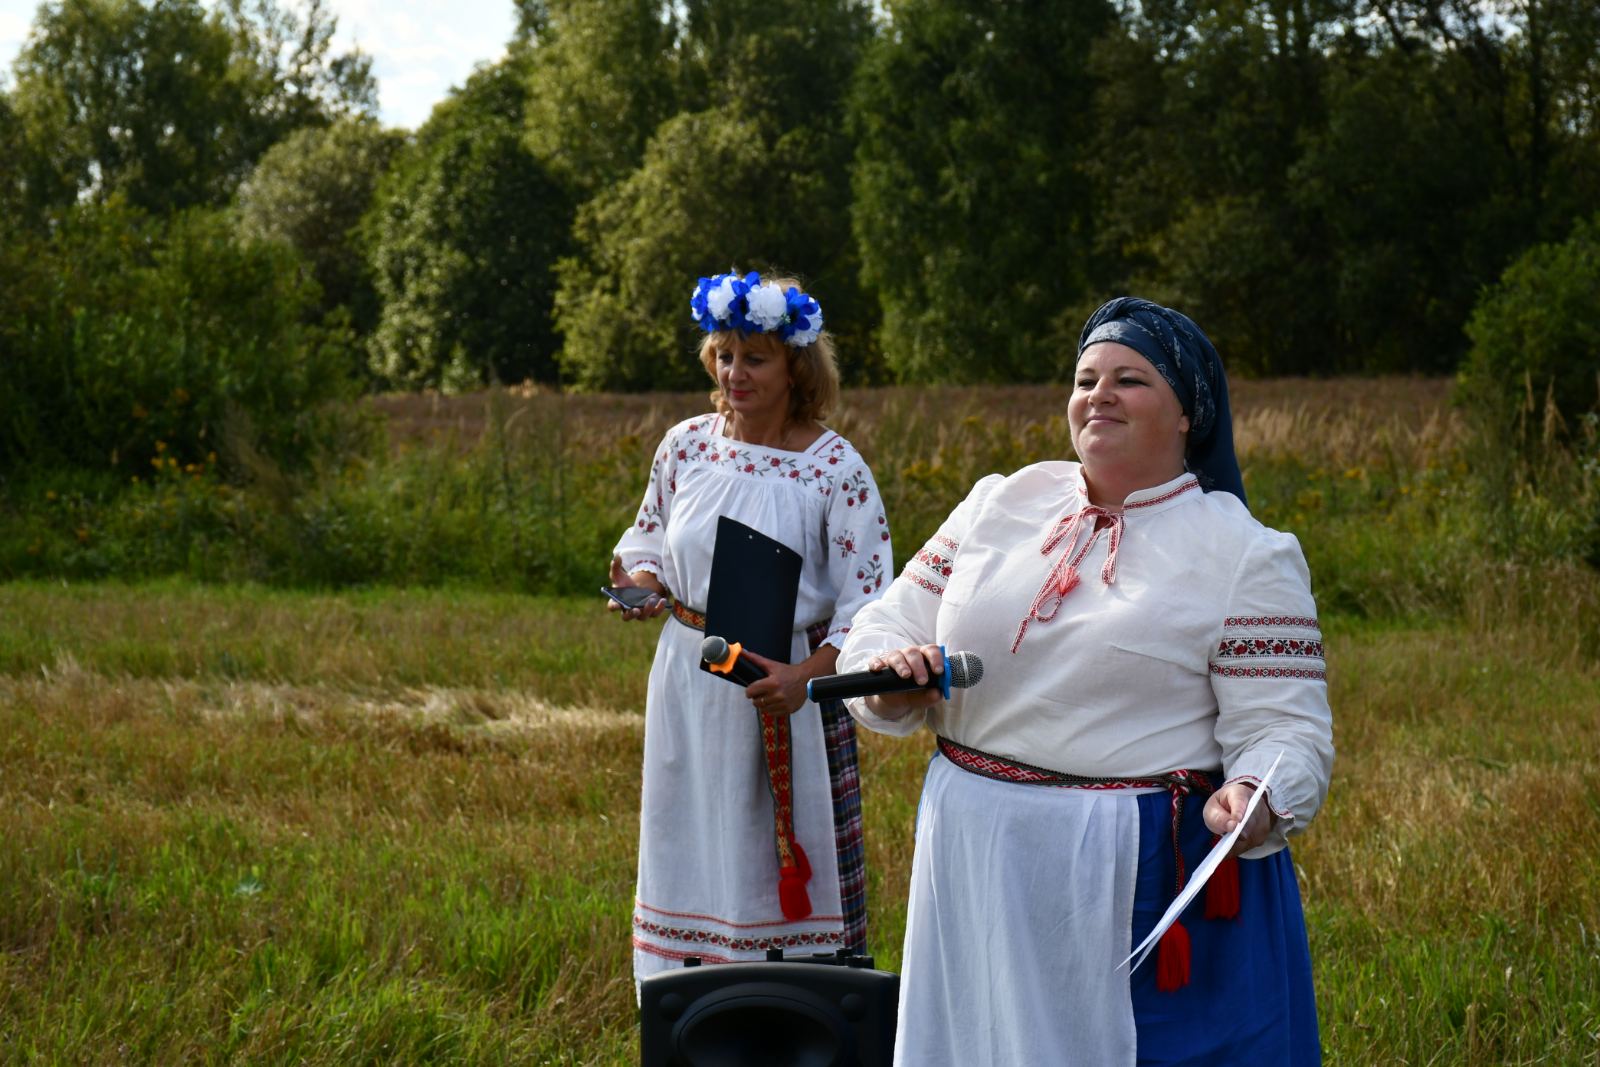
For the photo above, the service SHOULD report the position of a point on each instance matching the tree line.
(205, 226)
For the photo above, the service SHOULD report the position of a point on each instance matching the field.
(258, 825)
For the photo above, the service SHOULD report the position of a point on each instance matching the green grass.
(254, 826)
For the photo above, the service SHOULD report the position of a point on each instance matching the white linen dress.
(708, 870)
(1190, 641)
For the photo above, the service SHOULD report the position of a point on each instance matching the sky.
(419, 48)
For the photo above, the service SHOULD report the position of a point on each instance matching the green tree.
(1199, 123)
(1412, 185)
(755, 178)
(311, 191)
(15, 158)
(463, 236)
(1325, 185)
(168, 106)
(971, 210)
(600, 81)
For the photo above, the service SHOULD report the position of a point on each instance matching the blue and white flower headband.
(731, 302)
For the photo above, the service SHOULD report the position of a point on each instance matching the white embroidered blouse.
(1179, 634)
(822, 502)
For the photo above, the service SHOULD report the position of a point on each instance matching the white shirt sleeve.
(1268, 673)
(908, 613)
(856, 538)
(643, 546)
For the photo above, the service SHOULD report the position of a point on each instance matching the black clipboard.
(755, 582)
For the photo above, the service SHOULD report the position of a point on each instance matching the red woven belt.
(695, 620)
(1222, 892)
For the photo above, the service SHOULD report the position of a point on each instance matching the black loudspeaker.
(827, 1010)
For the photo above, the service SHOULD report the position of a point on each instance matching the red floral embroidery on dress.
(856, 488)
(760, 463)
(941, 539)
(919, 580)
(870, 574)
(650, 515)
(691, 936)
(846, 544)
(934, 561)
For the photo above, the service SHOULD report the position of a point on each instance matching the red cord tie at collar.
(1063, 577)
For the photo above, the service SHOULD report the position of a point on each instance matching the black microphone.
(961, 671)
(729, 661)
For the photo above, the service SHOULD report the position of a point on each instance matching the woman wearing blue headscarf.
(1152, 660)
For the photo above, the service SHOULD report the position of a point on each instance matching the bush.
(1532, 383)
(131, 344)
(1536, 337)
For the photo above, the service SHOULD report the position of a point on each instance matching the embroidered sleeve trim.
(1267, 672)
(1258, 647)
(1270, 620)
(1231, 647)
(931, 567)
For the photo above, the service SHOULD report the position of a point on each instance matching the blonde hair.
(813, 368)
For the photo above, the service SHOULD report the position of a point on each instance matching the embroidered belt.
(695, 620)
(794, 869)
(1222, 892)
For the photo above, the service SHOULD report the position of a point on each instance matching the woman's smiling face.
(1123, 414)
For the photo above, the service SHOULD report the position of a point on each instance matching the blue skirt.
(1249, 998)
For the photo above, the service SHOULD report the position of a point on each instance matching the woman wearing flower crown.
(1152, 661)
(723, 875)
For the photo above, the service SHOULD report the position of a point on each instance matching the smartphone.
(629, 596)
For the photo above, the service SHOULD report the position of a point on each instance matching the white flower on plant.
(767, 307)
(719, 298)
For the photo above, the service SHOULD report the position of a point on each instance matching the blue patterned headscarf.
(1188, 361)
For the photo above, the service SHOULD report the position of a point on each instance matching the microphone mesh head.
(966, 669)
(714, 649)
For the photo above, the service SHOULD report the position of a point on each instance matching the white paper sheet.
(1197, 879)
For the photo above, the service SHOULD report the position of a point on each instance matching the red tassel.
(792, 896)
(1222, 892)
(1069, 581)
(800, 860)
(1172, 959)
